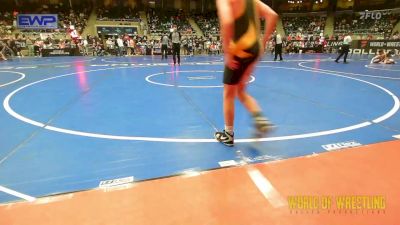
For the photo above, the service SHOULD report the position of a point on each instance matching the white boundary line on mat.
(377, 68)
(395, 108)
(17, 194)
(14, 81)
(346, 73)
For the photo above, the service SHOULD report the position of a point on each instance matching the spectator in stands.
(131, 46)
(2, 51)
(29, 44)
(185, 45)
(116, 12)
(303, 24)
(190, 47)
(121, 47)
(207, 46)
(160, 23)
(37, 47)
(85, 46)
(110, 44)
(11, 43)
(396, 36)
(380, 28)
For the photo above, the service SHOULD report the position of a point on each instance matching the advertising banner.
(37, 21)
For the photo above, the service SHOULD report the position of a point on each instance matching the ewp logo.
(37, 21)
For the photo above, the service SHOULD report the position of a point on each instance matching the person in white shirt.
(110, 45)
(345, 48)
(278, 47)
(164, 46)
(120, 44)
(85, 44)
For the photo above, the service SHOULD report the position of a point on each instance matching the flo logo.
(372, 15)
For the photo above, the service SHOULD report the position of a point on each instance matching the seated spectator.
(367, 28)
(160, 23)
(208, 23)
(396, 36)
(303, 24)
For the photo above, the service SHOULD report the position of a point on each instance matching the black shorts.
(345, 48)
(233, 77)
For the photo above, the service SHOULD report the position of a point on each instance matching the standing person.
(2, 50)
(185, 45)
(36, 47)
(239, 20)
(131, 47)
(164, 46)
(12, 45)
(85, 44)
(176, 45)
(29, 44)
(190, 47)
(207, 46)
(278, 47)
(110, 46)
(345, 48)
(121, 46)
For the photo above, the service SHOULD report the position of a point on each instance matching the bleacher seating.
(117, 13)
(208, 23)
(6, 22)
(160, 23)
(305, 25)
(379, 27)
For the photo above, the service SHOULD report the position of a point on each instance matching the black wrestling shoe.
(225, 138)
